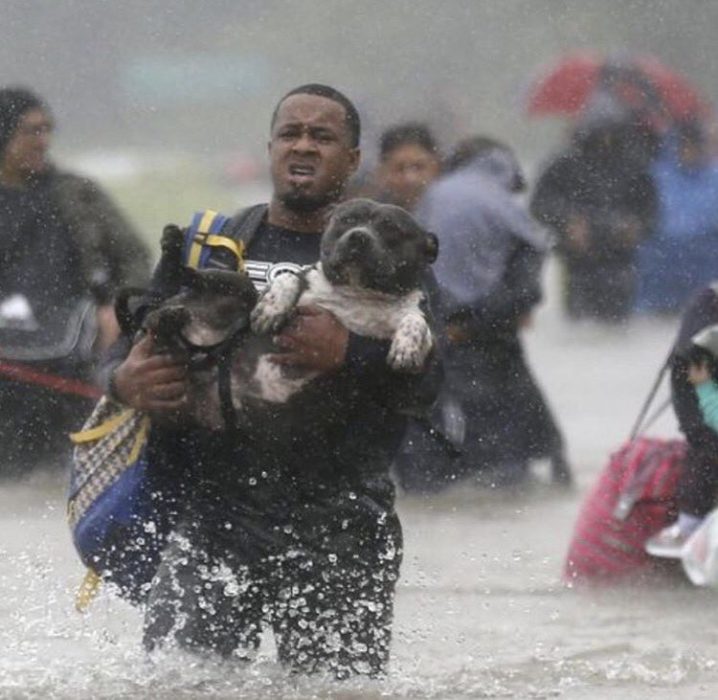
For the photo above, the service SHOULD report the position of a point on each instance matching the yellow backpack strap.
(87, 591)
(204, 234)
(105, 428)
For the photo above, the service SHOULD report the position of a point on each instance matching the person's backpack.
(118, 518)
(634, 498)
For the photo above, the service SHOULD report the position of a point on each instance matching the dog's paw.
(276, 304)
(267, 316)
(411, 344)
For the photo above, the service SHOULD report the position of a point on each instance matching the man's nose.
(42, 139)
(304, 142)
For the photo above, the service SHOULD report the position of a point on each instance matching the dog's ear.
(172, 240)
(432, 247)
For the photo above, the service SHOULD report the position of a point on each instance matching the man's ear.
(356, 159)
(432, 247)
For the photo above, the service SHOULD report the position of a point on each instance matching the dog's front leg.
(277, 303)
(411, 344)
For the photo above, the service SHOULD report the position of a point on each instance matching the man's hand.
(150, 382)
(314, 340)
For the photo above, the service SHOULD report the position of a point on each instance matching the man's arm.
(317, 341)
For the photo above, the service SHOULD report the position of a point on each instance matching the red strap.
(24, 373)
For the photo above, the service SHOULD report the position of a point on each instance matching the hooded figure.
(599, 199)
(488, 275)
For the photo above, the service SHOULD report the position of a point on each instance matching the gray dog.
(369, 276)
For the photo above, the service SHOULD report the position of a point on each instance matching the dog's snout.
(357, 237)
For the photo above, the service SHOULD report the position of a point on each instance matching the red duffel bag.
(633, 499)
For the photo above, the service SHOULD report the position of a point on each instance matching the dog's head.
(209, 308)
(376, 246)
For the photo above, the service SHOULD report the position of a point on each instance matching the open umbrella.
(640, 83)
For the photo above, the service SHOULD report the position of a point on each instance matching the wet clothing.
(488, 275)
(617, 200)
(698, 486)
(681, 256)
(298, 507)
(62, 244)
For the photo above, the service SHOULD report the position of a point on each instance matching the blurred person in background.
(488, 273)
(682, 254)
(62, 242)
(598, 197)
(408, 161)
(691, 365)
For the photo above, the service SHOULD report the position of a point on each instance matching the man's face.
(310, 152)
(405, 173)
(26, 151)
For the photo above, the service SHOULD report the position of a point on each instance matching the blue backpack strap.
(205, 234)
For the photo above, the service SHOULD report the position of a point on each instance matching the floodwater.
(480, 610)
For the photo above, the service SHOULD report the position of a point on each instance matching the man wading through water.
(295, 528)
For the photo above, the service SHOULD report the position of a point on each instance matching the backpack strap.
(217, 241)
(203, 235)
(244, 225)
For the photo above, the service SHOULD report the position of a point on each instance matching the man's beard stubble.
(301, 203)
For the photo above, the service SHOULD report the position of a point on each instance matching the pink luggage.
(633, 499)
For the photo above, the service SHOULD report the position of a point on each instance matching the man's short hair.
(409, 133)
(351, 116)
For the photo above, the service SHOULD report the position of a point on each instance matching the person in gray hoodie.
(489, 278)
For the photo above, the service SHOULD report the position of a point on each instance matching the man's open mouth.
(302, 171)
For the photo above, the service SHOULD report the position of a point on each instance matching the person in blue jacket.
(682, 254)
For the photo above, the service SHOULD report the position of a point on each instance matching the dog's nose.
(357, 237)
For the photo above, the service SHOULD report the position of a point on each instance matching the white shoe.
(668, 543)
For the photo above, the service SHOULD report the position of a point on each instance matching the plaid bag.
(109, 443)
(109, 502)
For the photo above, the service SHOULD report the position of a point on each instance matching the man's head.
(25, 128)
(313, 147)
(409, 162)
(494, 158)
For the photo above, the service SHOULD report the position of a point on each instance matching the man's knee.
(199, 604)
